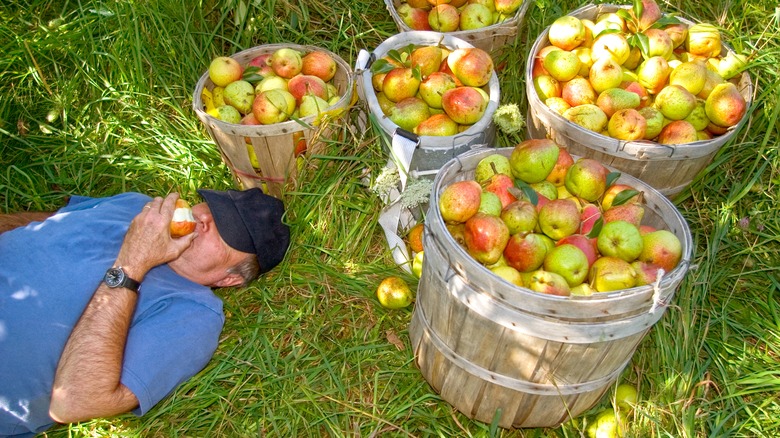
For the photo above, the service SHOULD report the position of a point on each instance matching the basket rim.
(640, 148)
(285, 127)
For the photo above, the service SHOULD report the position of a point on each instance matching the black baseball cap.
(250, 221)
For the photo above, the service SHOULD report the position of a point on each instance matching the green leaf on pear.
(640, 40)
(666, 20)
(624, 14)
(638, 8)
(612, 177)
(594, 232)
(528, 192)
(624, 196)
(252, 75)
(381, 66)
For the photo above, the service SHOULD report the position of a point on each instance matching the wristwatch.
(117, 277)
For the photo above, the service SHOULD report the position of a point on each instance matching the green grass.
(95, 98)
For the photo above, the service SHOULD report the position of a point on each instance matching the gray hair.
(248, 269)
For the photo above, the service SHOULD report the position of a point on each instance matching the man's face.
(208, 259)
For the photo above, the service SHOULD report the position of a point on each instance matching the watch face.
(114, 277)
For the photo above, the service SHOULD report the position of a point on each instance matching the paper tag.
(389, 220)
(404, 143)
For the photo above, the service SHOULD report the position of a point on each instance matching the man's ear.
(229, 280)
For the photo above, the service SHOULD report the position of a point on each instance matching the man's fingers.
(169, 203)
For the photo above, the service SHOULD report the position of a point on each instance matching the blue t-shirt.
(48, 273)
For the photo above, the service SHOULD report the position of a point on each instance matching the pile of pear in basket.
(649, 93)
(490, 25)
(267, 105)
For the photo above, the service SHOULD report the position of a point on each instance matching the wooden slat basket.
(276, 146)
(668, 168)
(497, 351)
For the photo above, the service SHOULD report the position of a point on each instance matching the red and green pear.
(586, 244)
(567, 32)
(620, 239)
(520, 217)
(678, 132)
(631, 213)
(320, 64)
(400, 83)
(486, 237)
(610, 274)
(587, 179)
(559, 218)
(725, 106)
(500, 184)
(549, 283)
(662, 248)
(578, 91)
(409, 112)
(472, 66)
(440, 125)
(525, 251)
(459, 201)
(568, 261)
(465, 105)
(533, 160)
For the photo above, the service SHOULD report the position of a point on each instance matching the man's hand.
(148, 242)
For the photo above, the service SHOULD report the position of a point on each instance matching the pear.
(698, 117)
(725, 106)
(631, 213)
(655, 122)
(312, 105)
(731, 65)
(606, 73)
(653, 73)
(627, 124)
(651, 12)
(240, 94)
(659, 43)
(578, 91)
(711, 79)
(557, 104)
(678, 132)
(459, 201)
(547, 86)
(427, 58)
(678, 32)
(563, 65)
(690, 75)
(703, 40)
(675, 102)
(588, 116)
(614, 99)
(409, 112)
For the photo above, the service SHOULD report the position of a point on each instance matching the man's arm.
(87, 382)
(15, 220)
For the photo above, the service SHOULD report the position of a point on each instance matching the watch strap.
(116, 277)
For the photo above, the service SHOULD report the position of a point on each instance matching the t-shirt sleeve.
(171, 343)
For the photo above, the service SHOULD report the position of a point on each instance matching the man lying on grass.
(103, 312)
